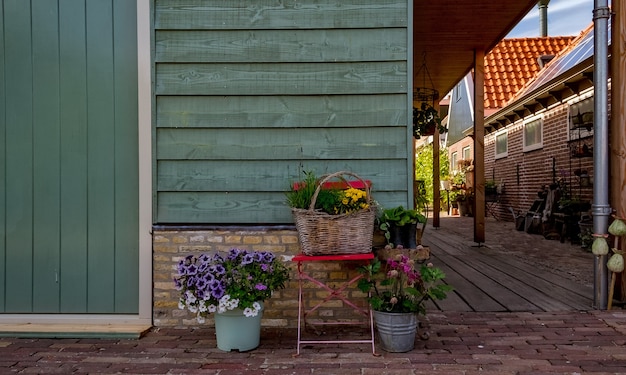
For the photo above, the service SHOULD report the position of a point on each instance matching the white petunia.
(190, 297)
(250, 312)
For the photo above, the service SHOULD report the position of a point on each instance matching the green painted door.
(68, 157)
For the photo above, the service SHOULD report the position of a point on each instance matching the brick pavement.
(460, 343)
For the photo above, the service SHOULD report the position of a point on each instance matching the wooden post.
(436, 184)
(617, 126)
(479, 146)
(617, 129)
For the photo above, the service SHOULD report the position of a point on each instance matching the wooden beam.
(559, 95)
(512, 117)
(574, 86)
(617, 125)
(479, 146)
(545, 102)
(436, 175)
(532, 107)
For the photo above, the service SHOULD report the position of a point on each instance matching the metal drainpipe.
(600, 208)
(543, 16)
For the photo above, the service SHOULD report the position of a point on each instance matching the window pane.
(533, 134)
(502, 146)
(466, 153)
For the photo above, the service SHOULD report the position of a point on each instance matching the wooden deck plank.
(529, 288)
(493, 296)
(557, 279)
(69, 330)
(508, 273)
(463, 290)
(547, 293)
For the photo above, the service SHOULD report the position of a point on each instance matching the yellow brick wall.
(169, 246)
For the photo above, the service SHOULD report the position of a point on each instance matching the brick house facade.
(522, 168)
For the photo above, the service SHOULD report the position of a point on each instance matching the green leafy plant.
(336, 198)
(402, 216)
(424, 169)
(398, 286)
(398, 216)
(425, 119)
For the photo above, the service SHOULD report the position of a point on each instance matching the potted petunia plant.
(233, 286)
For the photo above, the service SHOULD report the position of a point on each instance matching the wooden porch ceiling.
(446, 33)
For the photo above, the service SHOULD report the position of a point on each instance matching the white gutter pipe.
(600, 207)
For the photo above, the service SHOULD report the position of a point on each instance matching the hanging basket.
(321, 233)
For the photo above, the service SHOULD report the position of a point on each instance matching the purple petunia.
(247, 259)
(233, 254)
(268, 257)
(243, 277)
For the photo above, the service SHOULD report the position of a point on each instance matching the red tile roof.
(513, 62)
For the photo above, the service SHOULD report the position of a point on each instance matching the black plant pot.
(403, 235)
(411, 232)
(396, 235)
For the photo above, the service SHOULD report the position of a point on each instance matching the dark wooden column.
(436, 191)
(479, 146)
(617, 125)
(617, 129)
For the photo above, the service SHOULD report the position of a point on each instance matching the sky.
(565, 17)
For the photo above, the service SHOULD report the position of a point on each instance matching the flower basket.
(321, 233)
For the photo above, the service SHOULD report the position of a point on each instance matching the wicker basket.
(323, 234)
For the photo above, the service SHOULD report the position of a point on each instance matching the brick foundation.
(172, 244)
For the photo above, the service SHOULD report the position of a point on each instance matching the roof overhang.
(447, 32)
(558, 90)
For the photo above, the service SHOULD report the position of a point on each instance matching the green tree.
(424, 167)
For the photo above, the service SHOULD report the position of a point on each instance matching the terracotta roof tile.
(513, 62)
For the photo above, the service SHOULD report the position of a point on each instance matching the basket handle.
(339, 175)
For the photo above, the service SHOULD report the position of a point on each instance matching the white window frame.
(536, 145)
(505, 153)
(583, 104)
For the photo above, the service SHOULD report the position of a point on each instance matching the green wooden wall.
(68, 157)
(248, 93)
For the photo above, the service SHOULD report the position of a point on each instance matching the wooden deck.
(501, 277)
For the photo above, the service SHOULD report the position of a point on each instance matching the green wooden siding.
(69, 177)
(250, 93)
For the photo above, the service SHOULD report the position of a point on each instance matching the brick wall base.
(172, 244)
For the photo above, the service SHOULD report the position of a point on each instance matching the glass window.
(453, 161)
(581, 119)
(502, 144)
(466, 153)
(533, 134)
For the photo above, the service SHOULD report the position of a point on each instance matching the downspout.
(601, 209)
